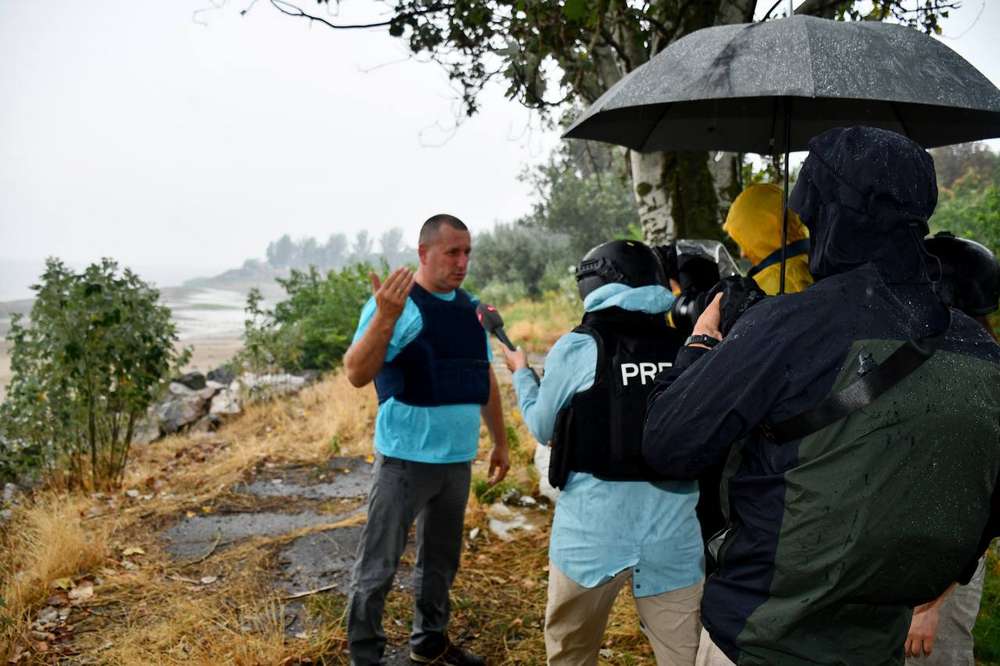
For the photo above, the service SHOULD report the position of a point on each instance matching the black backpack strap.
(791, 250)
(861, 393)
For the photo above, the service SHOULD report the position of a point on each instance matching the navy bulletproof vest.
(600, 431)
(446, 364)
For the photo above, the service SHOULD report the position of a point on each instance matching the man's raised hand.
(390, 296)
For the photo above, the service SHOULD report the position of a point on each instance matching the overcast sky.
(182, 145)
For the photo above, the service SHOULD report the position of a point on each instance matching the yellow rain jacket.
(754, 222)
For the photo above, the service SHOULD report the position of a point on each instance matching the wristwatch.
(706, 340)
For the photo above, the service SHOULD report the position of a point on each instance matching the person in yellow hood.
(754, 222)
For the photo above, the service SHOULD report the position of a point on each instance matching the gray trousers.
(402, 491)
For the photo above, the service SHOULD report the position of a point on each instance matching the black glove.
(739, 294)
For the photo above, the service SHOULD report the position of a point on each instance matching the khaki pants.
(576, 616)
(709, 653)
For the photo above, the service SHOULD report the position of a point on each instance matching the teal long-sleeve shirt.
(603, 527)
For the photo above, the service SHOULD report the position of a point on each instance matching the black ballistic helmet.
(625, 261)
(970, 274)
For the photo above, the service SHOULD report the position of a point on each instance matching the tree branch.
(769, 11)
(824, 8)
(291, 10)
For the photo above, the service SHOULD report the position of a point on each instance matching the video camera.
(694, 267)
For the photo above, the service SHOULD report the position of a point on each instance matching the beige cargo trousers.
(576, 617)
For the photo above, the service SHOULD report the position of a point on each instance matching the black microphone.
(493, 323)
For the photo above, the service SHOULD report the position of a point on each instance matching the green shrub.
(311, 328)
(516, 253)
(987, 629)
(97, 351)
(487, 494)
(502, 293)
(971, 212)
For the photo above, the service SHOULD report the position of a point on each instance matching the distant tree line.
(968, 193)
(582, 199)
(338, 251)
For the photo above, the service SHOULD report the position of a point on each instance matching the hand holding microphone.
(491, 320)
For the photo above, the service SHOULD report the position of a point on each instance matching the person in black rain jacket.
(836, 535)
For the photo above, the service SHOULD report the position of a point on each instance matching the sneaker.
(452, 655)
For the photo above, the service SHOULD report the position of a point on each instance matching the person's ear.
(422, 252)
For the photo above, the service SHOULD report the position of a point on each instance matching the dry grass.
(331, 417)
(536, 325)
(149, 609)
(44, 542)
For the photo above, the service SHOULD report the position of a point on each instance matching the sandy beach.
(206, 354)
(210, 321)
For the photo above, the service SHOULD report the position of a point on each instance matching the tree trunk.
(681, 194)
(725, 174)
(687, 194)
(652, 196)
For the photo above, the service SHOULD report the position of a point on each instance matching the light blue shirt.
(443, 434)
(603, 527)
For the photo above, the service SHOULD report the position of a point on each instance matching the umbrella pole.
(784, 197)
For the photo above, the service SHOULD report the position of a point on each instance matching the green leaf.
(575, 10)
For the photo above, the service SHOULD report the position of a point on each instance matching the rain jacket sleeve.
(712, 398)
(570, 367)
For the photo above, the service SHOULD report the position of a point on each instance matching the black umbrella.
(769, 87)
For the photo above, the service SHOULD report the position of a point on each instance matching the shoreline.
(208, 353)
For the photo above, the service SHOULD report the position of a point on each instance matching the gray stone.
(226, 401)
(207, 393)
(258, 387)
(180, 411)
(11, 491)
(344, 478)
(192, 537)
(223, 375)
(216, 386)
(320, 559)
(176, 388)
(193, 380)
(343, 487)
(326, 558)
(147, 430)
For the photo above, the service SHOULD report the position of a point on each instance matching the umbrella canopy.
(734, 87)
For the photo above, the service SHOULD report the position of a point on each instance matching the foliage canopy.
(313, 327)
(96, 353)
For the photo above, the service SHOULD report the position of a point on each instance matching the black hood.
(866, 194)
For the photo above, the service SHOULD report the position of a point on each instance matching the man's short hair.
(429, 231)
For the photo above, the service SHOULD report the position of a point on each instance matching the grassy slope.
(149, 609)
(987, 630)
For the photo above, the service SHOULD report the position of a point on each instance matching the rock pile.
(196, 402)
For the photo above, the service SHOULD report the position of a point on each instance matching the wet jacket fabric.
(602, 527)
(754, 222)
(837, 535)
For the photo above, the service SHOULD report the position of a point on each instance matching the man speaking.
(421, 342)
